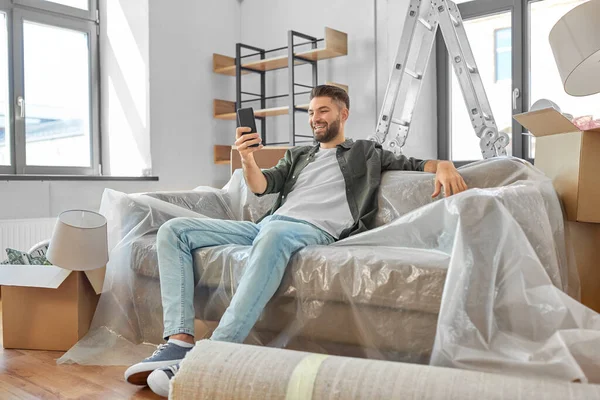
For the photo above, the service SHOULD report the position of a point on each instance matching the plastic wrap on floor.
(480, 280)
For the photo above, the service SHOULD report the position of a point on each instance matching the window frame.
(90, 14)
(16, 12)
(6, 8)
(519, 69)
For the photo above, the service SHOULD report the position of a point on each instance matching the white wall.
(41, 199)
(125, 87)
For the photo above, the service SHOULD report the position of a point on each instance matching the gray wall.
(183, 36)
(374, 29)
(165, 110)
(357, 69)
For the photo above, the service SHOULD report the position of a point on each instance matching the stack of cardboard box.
(571, 158)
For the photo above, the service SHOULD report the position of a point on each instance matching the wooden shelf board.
(271, 64)
(320, 54)
(222, 154)
(341, 86)
(336, 45)
(267, 112)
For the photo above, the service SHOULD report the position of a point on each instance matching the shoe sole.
(140, 378)
(157, 388)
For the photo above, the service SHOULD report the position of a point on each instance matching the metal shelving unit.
(336, 45)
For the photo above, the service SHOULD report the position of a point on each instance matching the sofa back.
(400, 192)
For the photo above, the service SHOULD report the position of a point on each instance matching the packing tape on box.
(302, 381)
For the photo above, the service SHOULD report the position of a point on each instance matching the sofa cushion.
(370, 275)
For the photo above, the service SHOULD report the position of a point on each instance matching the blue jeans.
(274, 240)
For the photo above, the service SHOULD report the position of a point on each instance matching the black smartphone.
(245, 117)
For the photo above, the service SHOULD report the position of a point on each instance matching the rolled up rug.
(228, 371)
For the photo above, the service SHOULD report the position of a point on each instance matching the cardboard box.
(570, 157)
(585, 239)
(46, 307)
(267, 157)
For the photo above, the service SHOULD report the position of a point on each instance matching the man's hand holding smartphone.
(244, 140)
(247, 139)
(247, 142)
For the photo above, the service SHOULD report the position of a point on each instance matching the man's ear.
(345, 114)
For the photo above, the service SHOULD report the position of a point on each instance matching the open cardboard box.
(47, 307)
(570, 157)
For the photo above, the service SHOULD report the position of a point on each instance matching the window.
(518, 70)
(49, 87)
(503, 57)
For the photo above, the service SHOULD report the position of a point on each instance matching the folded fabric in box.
(586, 122)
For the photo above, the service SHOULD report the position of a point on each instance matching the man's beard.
(330, 133)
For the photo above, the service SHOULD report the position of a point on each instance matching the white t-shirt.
(319, 195)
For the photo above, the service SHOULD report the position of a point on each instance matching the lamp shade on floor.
(79, 241)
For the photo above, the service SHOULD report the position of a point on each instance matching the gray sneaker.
(164, 356)
(159, 379)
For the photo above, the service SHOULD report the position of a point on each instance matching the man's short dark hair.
(337, 94)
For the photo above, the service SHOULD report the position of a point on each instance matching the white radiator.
(22, 234)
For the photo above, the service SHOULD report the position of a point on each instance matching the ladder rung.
(413, 74)
(399, 122)
(426, 24)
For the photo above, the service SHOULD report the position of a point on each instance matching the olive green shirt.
(361, 162)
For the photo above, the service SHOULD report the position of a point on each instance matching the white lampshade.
(79, 241)
(575, 42)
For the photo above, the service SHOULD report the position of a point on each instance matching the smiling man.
(327, 192)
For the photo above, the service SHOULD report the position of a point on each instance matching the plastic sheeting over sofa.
(478, 280)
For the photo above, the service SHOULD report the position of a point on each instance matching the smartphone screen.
(245, 118)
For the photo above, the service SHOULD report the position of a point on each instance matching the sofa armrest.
(134, 215)
(402, 192)
(209, 202)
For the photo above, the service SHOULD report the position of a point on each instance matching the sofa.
(478, 280)
(365, 301)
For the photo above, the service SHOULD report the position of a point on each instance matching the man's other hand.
(448, 177)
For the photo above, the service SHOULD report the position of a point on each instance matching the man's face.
(324, 118)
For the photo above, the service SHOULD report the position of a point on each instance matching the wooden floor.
(28, 374)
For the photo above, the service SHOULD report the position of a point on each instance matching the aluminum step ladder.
(418, 35)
